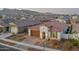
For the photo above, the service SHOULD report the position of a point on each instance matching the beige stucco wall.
(29, 32)
(58, 36)
(14, 29)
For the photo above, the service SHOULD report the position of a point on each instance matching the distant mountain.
(28, 14)
(6, 11)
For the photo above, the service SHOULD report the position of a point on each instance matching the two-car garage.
(35, 33)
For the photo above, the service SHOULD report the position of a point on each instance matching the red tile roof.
(53, 25)
(56, 26)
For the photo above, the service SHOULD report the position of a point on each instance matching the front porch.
(45, 34)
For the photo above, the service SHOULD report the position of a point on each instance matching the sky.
(53, 10)
(57, 10)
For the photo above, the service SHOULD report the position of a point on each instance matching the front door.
(7, 29)
(43, 35)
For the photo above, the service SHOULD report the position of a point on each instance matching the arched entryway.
(43, 32)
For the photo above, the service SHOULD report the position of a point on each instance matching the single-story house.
(47, 30)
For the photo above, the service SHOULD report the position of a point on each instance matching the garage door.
(35, 33)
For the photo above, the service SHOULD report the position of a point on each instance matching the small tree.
(75, 42)
(1, 29)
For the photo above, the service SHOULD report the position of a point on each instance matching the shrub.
(67, 45)
(75, 42)
(1, 29)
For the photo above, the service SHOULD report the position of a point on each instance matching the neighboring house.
(61, 20)
(72, 30)
(17, 26)
(23, 18)
(47, 30)
(13, 28)
(75, 17)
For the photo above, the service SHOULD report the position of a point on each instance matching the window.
(51, 34)
(55, 34)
